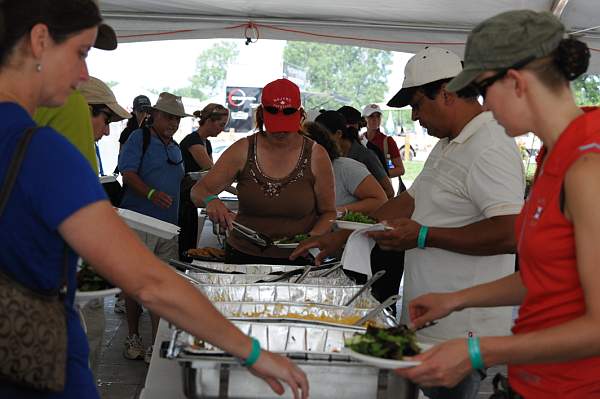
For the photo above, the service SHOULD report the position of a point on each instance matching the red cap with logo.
(281, 106)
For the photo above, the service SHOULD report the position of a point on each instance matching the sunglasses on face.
(107, 117)
(286, 111)
(483, 85)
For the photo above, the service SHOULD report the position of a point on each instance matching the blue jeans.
(466, 389)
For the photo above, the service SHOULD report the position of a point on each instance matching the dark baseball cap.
(332, 120)
(351, 114)
(106, 38)
(506, 40)
(141, 103)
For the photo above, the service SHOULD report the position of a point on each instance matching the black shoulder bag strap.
(9, 181)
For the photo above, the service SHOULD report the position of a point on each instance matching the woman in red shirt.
(522, 64)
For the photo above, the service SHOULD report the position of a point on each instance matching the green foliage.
(211, 67)
(340, 74)
(210, 73)
(587, 89)
(111, 83)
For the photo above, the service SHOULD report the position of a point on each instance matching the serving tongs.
(375, 311)
(257, 238)
(202, 269)
(365, 287)
(329, 268)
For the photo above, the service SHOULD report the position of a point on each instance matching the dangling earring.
(38, 67)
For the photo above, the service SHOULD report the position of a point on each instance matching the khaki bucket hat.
(171, 104)
(507, 40)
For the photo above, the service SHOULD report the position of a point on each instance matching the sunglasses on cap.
(286, 111)
(483, 85)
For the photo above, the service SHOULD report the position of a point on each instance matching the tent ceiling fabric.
(406, 25)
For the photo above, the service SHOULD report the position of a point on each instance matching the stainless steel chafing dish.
(286, 292)
(300, 313)
(337, 278)
(318, 350)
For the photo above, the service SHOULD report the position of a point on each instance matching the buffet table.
(164, 376)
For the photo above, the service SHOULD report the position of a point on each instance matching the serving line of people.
(455, 223)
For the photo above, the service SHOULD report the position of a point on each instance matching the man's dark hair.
(432, 89)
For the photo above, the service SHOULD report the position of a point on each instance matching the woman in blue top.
(57, 198)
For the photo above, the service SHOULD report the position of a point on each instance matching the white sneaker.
(148, 355)
(133, 348)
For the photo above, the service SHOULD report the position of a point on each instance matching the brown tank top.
(275, 207)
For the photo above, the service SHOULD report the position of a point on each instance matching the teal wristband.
(254, 354)
(475, 354)
(209, 198)
(422, 237)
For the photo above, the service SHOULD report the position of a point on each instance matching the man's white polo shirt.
(476, 176)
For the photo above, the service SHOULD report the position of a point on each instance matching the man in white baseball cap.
(456, 220)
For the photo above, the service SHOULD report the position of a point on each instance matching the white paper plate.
(198, 175)
(291, 245)
(386, 363)
(148, 224)
(342, 224)
(97, 294)
(382, 363)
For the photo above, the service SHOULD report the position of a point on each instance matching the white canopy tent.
(400, 25)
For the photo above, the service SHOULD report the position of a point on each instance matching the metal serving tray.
(341, 316)
(210, 373)
(337, 278)
(314, 341)
(249, 269)
(286, 292)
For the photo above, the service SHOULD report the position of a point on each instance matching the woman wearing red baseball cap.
(285, 180)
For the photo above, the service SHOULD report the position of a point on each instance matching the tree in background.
(587, 89)
(211, 71)
(340, 75)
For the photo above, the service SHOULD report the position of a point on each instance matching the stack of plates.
(148, 224)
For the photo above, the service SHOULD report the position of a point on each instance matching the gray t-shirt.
(348, 176)
(365, 156)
